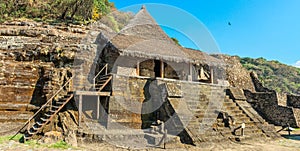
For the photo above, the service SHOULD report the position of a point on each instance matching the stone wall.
(135, 101)
(293, 101)
(282, 99)
(267, 105)
(276, 108)
(297, 115)
(257, 84)
(35, 62)
(236, 74)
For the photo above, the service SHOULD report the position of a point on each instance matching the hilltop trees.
(275, 75)
(55, 9)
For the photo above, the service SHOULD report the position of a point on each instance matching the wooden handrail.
(43, 106)
(94, 79)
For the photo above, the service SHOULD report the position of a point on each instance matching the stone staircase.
(202, 127)
(93, 131)
(251, 131)
(197, 110)
(205, 122)
(217, 130)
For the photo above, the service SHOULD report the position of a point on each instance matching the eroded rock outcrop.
(236, 75)
(36, 60)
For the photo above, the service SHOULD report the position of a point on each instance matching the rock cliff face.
(35, 60)
(236, 74)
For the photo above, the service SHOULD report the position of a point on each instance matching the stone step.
(185, 118)
(196, 103)
(229, 104)
(225, 131)
(207, 120)
(252, 136)
(238, 115)
(235, 112)
(15, 116)
(205, 115)
(228, 100)
(17, 107)
(210, 138)
(241, 119)
(232, 107)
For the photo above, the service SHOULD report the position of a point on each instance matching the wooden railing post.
(49, 102)
(162, 69)
(138, 68)
(79, 110)
(94, 79)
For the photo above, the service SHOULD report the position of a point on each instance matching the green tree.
(54, 9)
(274, 75)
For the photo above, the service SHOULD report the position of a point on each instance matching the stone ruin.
(146, 78)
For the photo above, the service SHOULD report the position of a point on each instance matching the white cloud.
(297, 64)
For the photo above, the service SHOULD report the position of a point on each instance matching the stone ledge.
(236, 94)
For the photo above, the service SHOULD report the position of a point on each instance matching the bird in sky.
(229, 23)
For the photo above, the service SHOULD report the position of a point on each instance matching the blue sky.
(259, 28)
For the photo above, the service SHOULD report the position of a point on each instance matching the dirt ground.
(290, 143)
(282, 144)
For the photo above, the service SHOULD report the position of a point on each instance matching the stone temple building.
(126, 84)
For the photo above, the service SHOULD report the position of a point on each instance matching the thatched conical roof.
(144, 38)
(199, 57)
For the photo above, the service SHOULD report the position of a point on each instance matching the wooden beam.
(212, 75)
(79, 110)
(138, 68)
(162, 69)
(190, 78)
(96, 93)
(98, 107)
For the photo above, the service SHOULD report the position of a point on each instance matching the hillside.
(55, 10)
(274, 75)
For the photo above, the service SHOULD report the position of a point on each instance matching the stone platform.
(125, 138)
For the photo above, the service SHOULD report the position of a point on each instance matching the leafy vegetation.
(60, 145)
(35, 144)
(72, 10)
(68, 11)
(275, 75)
(6, 138)
(117, 20)
(57, 145)
(176, 41)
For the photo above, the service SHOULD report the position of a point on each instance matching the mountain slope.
(54, 10)
(274, 75)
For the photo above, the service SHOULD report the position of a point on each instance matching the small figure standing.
(232, 123)
(163, 131)
(243, 127)
(161, 127)
(289, 129)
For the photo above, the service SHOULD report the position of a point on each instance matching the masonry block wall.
(266, 103)
(135, 100)
(297, 115)
(293, 101)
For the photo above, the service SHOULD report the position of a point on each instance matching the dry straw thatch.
(144, 38)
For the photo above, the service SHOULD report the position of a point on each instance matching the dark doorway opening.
(157, 68)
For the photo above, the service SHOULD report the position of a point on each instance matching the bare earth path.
(275, 145)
